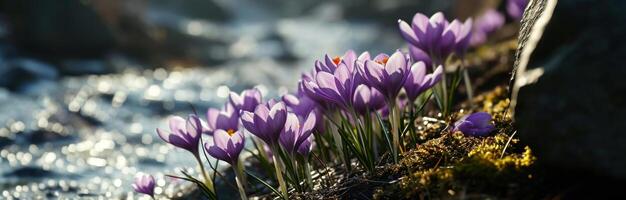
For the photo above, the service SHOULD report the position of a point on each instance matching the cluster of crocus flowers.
(439, 39)
(347, 107)
(360, 87)
(437, 36)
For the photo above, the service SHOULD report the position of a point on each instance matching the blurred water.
(86, 136)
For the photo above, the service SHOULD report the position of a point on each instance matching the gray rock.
(570, 100)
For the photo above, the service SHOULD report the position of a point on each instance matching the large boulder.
(569, 93)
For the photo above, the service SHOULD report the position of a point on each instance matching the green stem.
(279, 171)
(338, 142)
(259, 144)
(468, 85)
(394, 118)
(240, 167)
(207, 181)
(307, 171)
(241, 180)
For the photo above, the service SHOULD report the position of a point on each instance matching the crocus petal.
(476, 124)
(183, 143)
(220, 138)
(435, 77)
(438, 18)
(419, 23)
(361, 98)
(418, 72)
(328, 87)
(278, 115)
(380, 58)
(247, 119)
(290, 132)
(480, 118)
(364, 56)
(308, 125)
(418, 55)
(374, 72)
(305, 148)
(349, 58)
(449, 37)
(235, 99)
(343, 75)
(217, 153)
(194, 126)
(211, 117)
(407, 33)
(329, 63)
(396, 63)
(291, 100)
(177, 124)
(164, 135)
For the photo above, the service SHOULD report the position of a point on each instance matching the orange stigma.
(230, 132)
(383, 62)
(336, 60)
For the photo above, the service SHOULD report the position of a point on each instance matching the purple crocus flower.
(225, 119)
(462, 33)
(183, 134)
(336, 87)
(425, 33)
(144, 183)
(485, 25)
(330, 64)
(227, 145)
(476, 124)
(247, 100)
(515, 8)
(367, 99)
(306, 147)
(436, 35)
(266, 122)
(386, 73)
(333, 81)
(296, 131)
(418, 81)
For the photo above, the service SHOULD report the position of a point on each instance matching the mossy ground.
(449, 165)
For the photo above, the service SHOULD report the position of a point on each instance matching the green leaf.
(206, 191)
(385, 131)
(276, 192)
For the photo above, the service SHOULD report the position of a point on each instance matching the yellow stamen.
(230, 132)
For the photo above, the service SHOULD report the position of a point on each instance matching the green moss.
(446, 165)
(454, 165)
